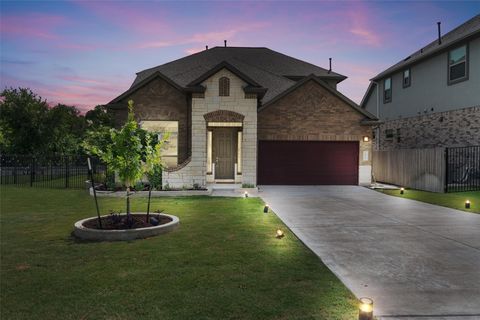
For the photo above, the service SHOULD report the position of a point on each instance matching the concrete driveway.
(415, 260)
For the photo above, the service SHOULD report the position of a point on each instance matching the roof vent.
(330, 62)
(439, 33)
(225, 43)
(206, 47)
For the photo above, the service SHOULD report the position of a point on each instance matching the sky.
(85, 53)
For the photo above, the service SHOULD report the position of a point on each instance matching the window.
(406, 78)
(389, 134)
(170, 148)
(224, 87)
(458, 64)
(209, 152)
(387, 90)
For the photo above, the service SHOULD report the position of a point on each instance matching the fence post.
(67, 175)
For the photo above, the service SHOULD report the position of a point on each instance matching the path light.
(279, 234)
(467, 204)
(265, 209)
(366, 139)
(365, 310)
(402, 190)
(245, 194)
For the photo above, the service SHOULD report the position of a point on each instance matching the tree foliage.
(29, 126)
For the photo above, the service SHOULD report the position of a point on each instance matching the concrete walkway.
(416, 260)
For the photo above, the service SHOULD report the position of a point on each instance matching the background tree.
(99, 117)
(23, 122)
(66, 129)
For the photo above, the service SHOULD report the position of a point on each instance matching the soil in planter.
(119, 222)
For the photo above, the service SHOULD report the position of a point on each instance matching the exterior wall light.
(280, 234)
(467, 204)
(402, 190)
(245, 194)
(366, 139)
(265, 209)
(365, 310)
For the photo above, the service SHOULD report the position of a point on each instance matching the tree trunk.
(148, 205)
(128, 204)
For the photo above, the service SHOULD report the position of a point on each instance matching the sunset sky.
(85, 53)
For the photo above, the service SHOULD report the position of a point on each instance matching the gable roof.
(262, 67)
(467, 30)
(312, 77)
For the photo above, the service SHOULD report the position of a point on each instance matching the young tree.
(131, 152)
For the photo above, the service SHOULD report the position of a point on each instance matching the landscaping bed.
(224, 262)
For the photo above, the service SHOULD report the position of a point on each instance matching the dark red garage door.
(308, 162)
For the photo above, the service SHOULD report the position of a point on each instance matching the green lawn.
(222, 263)
(454, 200)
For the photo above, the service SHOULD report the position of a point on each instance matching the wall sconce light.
(366, 139)
(467, 204)
(402, 190)
(365, 310)
(265, 209)
(245, 194)
(280, 234)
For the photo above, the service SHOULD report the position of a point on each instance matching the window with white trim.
(170, 148)
(387, 90)
(458, 64)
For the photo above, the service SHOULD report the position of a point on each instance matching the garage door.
(308, 162)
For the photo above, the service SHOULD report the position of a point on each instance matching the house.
(251, 116)
(432, 97)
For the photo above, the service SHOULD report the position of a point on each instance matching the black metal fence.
(462, 169)
(59, 171)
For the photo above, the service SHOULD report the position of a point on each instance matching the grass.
(222, 263)
(455, 200)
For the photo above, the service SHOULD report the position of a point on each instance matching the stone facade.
(159, 100)
(456, 128)
(311, 112)
(195, 171)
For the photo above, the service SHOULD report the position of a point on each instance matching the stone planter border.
(124, 235)
(155, 194)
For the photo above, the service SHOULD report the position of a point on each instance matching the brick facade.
(159, 100)
(311, 112)
(457, 128)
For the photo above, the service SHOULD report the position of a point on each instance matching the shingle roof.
(267, 67)
(466, 30)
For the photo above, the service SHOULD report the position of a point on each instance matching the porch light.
(402, 190)
(279, 234)
(265, 209)
(365, 310)
(467, 204)
(366, 139)
(245, 194)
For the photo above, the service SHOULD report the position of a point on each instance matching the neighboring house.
(251, 115)
(432, 97)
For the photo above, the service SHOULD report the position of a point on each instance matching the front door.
(224, 150)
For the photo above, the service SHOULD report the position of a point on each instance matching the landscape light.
(402, 190)
(265, 209)
(245, 194)
(365, 310)
(467, 204)
(366, 139)
(279, 234)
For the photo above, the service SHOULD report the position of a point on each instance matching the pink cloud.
(361, 24)
(32, 25)
(206, 37)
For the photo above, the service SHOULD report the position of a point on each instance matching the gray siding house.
(432, 97)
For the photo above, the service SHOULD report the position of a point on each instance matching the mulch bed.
(120, 222)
